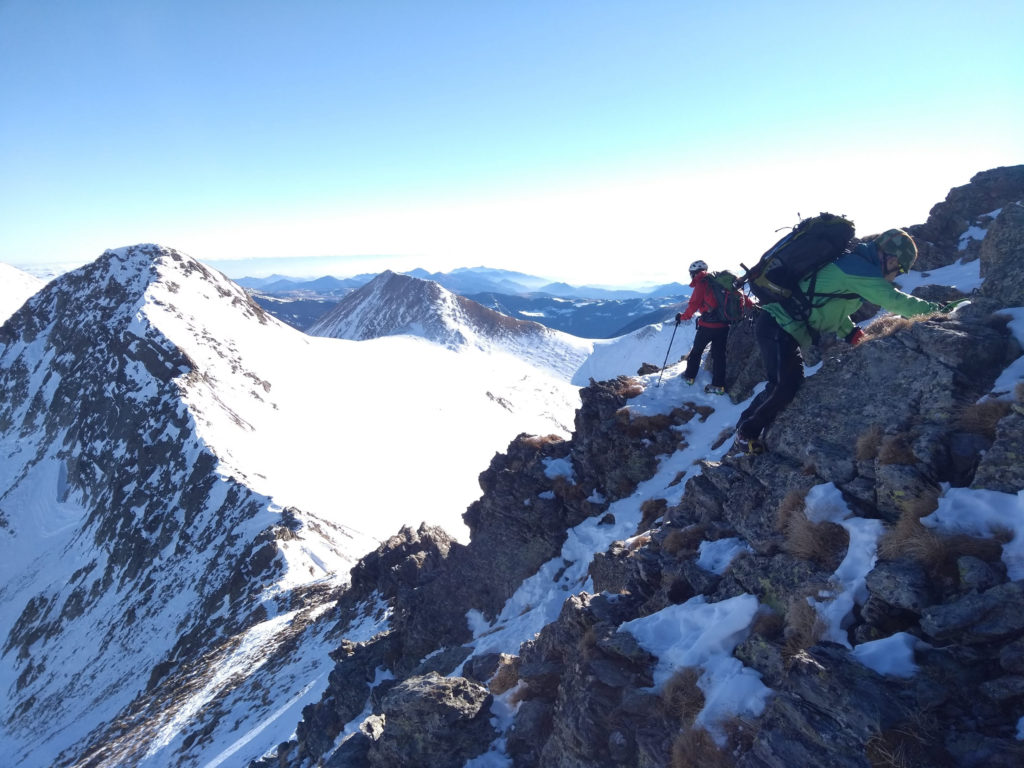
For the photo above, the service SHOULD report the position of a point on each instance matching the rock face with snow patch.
(955, 227)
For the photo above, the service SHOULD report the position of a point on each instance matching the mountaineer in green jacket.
(835, 291)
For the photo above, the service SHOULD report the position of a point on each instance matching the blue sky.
(600, 141)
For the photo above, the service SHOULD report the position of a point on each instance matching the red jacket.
(703, 300)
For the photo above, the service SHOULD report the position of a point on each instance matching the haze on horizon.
(599, 143)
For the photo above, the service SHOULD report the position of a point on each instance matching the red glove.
(855, 337)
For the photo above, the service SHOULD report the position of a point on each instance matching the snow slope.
(15, 289)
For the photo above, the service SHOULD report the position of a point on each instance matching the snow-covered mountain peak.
(165, 273)
(392, 304)
(122, 504)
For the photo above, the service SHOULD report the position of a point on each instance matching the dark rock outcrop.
(939, 239)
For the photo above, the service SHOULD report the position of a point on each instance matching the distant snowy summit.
(393, 304)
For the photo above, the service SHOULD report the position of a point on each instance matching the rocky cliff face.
(956, 226)
(893, 426)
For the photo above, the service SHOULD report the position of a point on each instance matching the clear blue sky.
(590, 141)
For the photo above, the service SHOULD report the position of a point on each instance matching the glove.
(855, 337)
(679, 318)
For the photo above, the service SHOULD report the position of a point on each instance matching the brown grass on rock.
(868, 443)
(983, 418)
(804, 626)
(896, 449)
(682, 697)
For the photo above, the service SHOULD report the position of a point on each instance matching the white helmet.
(698, 266)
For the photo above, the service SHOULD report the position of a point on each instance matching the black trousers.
(785, 368)
(717, 338)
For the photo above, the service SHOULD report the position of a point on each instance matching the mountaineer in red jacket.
(712, 327)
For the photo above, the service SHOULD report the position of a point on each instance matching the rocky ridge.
(908, 419)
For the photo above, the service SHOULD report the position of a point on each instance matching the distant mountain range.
(587, 312)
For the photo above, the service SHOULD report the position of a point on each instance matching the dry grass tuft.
(651, 510)
(539, 441)
(910, 743)
(682, 697)
(910, 539)
(566, 490)
(506, 677)
(884, 751)
(643, 426)
(627, 387)
(696, 748)
(983, 418)
(896, 449)
(824, 543)
(792, 504)
(922, 506)
(684, 541)
(804, 626)
(989, 550)
(869, 443)
(888, 325)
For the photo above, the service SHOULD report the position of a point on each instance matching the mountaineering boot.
(711, 389)
(751, 446)
(687, 381)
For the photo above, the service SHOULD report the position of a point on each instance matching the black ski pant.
(785, 368)
(716, 337)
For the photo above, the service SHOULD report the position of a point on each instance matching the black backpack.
(812, 244)
(728, 298)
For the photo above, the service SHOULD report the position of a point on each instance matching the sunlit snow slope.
(15, 288)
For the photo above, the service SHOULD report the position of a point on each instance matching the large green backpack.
(730, 301)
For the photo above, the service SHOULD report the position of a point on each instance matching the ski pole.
(667, 351)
